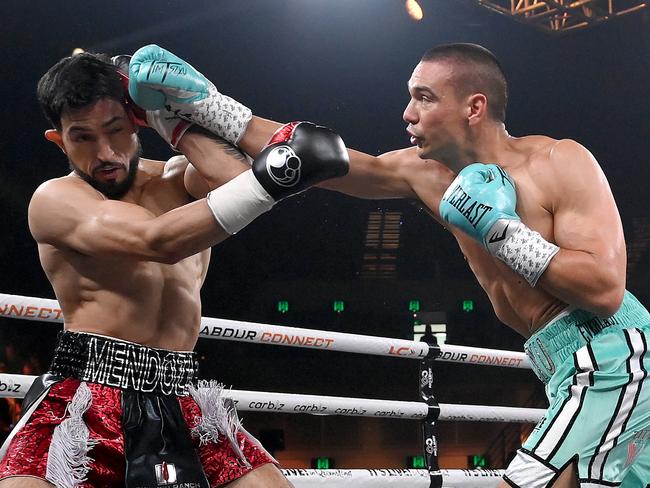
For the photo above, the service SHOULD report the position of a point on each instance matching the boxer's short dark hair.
(76, 82)
(481, 73)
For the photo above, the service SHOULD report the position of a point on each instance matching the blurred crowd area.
(15, 359)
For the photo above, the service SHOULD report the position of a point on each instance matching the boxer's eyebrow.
(77, 128)
(422, 89)
(82, 128)
(114, 119)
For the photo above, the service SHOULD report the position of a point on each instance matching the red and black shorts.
(114, 413)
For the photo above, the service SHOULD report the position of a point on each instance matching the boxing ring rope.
(428, 412)
(372, 478)
(16, 386)
(47, 310)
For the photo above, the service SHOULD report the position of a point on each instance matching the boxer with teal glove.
(161, 81)
(482, 202)
(170, 127)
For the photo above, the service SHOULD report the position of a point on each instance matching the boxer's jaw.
(102, 146)
(111, 187)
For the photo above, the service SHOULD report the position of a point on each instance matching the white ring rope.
(16, 386)
(372, 478)
(46, 310)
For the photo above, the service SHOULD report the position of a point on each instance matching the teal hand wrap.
(480, 195)
(158, 78)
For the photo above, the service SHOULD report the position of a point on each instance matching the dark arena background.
(326, 261)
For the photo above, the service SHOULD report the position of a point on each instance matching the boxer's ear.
(55, 137)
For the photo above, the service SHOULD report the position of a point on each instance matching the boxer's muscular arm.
(257, 134)
(386, 176)
(213, 161)
(186, 91)
(66, 214)
(589, 269)
(389, 175)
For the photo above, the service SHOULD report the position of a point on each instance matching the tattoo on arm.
(228, 148)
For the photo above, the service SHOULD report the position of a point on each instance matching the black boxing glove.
(299, 155)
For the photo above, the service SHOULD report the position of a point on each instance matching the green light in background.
(322, 463)
(414, 306)
(468, 305)
(477, 461)
(338, 306)
(283, 306)
(417, 462)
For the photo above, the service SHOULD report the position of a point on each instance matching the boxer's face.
(436, 117)
(102, 145)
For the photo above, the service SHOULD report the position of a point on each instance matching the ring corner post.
(430, 442)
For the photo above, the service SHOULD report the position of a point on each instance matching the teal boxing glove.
(168, 126)
(482, 202)
(480, 195)
(160, 80)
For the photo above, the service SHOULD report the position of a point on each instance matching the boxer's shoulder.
(550, 161)
(175, 167)
(547, 151)
(532, 149)
(55, 203)
(565, 151)
(554, 171)
(564, 162)
(65, 188)
(175, 176)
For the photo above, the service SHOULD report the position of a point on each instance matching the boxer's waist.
(550, 346)
(121, 364)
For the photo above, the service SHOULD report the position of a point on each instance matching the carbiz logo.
(10, 387)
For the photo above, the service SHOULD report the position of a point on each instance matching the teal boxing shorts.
(595, 373)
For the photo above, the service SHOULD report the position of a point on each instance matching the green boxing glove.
(482, 202)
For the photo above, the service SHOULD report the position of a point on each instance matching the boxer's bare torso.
(542, 180)
(148, 302)
(515, 303)
(562, 193)
(130, 267)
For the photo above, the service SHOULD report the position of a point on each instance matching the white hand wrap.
(238, 202)
(168, 126)
(217, 113)
(525, 251)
